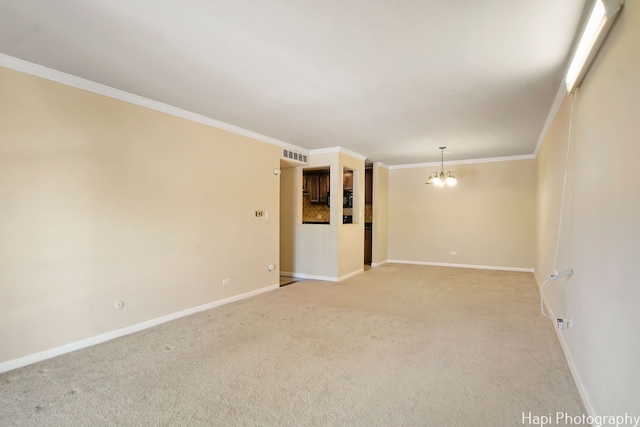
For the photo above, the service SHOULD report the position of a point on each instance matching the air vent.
(292, 155)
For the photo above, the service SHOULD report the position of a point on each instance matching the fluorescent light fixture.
(602, 16)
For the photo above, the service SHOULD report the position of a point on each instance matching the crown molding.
(324, 150)
(553, 112)
(100, 89)
(352, 154)
(466, 162)
(108, 91)
(338, 150)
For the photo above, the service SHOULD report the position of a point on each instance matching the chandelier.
(442, 177)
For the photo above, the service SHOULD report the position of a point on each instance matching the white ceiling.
(390, 79)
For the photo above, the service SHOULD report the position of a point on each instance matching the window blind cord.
(564, 184)
(564, 189)
(542, 299)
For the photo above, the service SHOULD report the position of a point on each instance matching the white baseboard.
(322, 278)
(378, 264)
(309, 276)
(67, 348)
(287, 274)
(584, 395)
(353, 273)
(445, 264)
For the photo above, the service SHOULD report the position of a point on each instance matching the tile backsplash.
(321, 212)
(314, 212)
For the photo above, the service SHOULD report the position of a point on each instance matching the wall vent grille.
(299, 157)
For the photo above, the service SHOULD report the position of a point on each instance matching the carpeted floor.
(398, 345)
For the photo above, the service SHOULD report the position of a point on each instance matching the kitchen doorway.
(368, 215)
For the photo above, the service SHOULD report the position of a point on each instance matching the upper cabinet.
(347, 179)
(316, 184)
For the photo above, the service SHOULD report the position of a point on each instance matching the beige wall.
(600, 236)
(488, 218)
(290, 216)
(102, 200)
(351, 236)
(380, 225)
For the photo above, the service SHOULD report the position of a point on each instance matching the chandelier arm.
(441, 176)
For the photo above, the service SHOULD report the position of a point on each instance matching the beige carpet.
(394, 346)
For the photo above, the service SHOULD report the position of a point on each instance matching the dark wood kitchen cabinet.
(347, 179)
(368, 186)
(316, 184)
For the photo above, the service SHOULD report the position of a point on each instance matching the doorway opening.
(368, 216)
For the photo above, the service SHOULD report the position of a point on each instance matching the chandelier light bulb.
(442, 177)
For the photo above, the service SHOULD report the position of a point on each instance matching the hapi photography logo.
(563, 418)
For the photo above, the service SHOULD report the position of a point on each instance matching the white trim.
(446, 264)
(378, 264)
(584, 395)
(287, 274)
(100, 89)
(353, 154)
(322, 278)
(87, 342)
(553, 112)
(353, 273)
(466, 162)
(338, 150)
(324, 150)
(310, 276)
(88, 85)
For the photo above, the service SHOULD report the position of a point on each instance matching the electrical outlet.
(225, 282)
(564, 323)
(259, 214)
